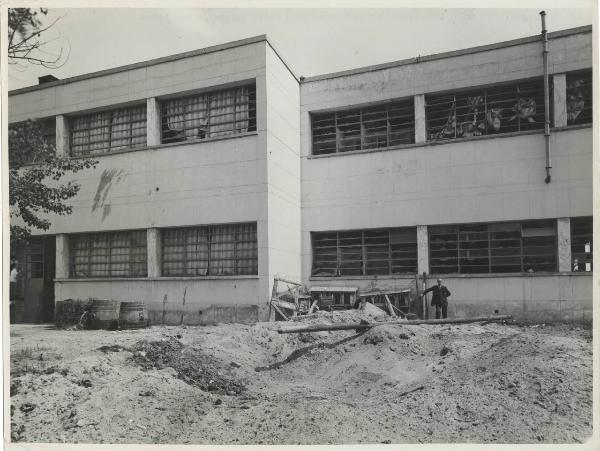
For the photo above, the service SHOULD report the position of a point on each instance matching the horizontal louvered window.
(217, 250)
(373, 127)
(365, 252)
(579, 98)
(582, 243)
(108, 131)
(209, 115)
(499, 109)
(109, 254)
(528, 246)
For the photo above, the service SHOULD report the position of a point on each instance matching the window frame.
(93, 242)
(582, 257)
(405, 105)
(473, 107)
(356, 243)
(240, 232)
(210, 94)
(588, 96)
(109, 116)
(527, 241)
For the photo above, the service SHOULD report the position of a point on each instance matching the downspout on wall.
(546, 98)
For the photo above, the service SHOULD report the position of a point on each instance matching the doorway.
(38, 280)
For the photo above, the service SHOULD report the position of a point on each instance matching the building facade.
(219, 169)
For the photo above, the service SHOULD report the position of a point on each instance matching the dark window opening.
(477, 112)
(365, 252)
(374, 127)
(579, 98)
(582, 244)
(493, 248)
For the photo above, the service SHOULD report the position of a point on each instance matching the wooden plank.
(390, 307)
(280, 312)
(366, 325)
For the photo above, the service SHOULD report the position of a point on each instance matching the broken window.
(208, 115)
(582, 241)
(108, 131)
(373, 127)
(493, 248)
(579, 98)
(499, 109)
(110, 254)
(365, 252)
(220, 250)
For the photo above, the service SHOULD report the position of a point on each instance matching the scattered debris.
(192, 366)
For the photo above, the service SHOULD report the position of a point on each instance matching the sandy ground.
(236, 384)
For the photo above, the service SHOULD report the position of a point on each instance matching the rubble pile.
(191, 365)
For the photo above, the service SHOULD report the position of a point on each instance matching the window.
(374, 127)
(220, 250)
(500, 109)
(579, 98)
(208, 115)
(493, 248)
(582, 243)
(365, 252)
(113, 254)
(108, 131)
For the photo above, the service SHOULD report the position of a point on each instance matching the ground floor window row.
(482, 248)
(215, 250)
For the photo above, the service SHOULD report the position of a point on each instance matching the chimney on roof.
(46, 79)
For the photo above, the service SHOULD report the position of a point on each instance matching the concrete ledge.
(154, 279)
(453, 276)
(166, 146)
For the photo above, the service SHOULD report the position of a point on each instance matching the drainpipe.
(546, 97)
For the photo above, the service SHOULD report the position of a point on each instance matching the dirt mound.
(192, 366)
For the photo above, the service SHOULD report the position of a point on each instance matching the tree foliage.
(34, 175)
(25, 42)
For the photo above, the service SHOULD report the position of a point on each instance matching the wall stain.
(108, 177)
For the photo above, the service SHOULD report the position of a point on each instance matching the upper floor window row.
(208, 115)
(108, 131)
(372, 127)
(500, 109)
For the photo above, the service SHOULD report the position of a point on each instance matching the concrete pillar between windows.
(422, 249)
(62, 136)
(152, 122)
(563, 230)
(420, 126)
(559, 90)
(62, 256)
(154, 252)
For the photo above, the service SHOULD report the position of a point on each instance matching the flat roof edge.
(449, 54)
(152, 62)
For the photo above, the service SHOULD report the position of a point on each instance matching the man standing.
(439, 299)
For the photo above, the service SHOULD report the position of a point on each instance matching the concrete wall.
(484, 179)
(237, 297)
(283, 146)
(564, 297)
(183, 184)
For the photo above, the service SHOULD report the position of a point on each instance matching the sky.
(312, 41)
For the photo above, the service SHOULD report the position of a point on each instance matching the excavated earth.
(238, 384)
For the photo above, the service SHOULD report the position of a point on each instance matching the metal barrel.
(104, 314)
(133, 315)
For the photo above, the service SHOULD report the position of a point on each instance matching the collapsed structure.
(220, 168)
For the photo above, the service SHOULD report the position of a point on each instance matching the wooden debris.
(367, 325)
